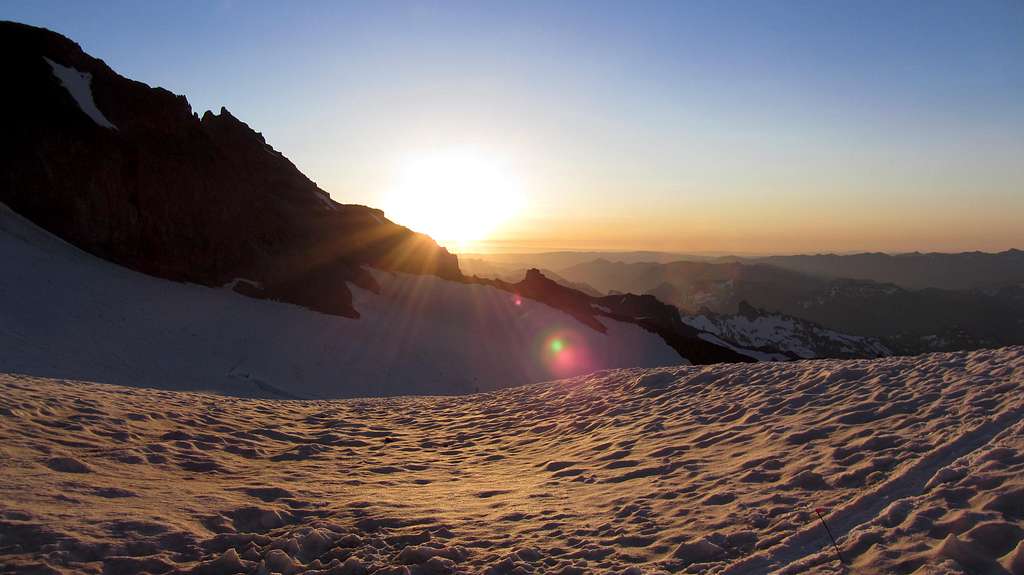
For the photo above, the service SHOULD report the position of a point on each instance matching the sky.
(687, 126)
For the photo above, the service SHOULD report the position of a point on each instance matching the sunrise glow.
(456, 196)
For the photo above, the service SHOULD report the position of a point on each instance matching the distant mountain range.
(562, 259)
(957, 271)
(695, 285)
(816, 315)
(961, 271)
(906, 320)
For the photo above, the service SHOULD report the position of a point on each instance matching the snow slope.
(758, 355)
(789, 334)
(918, 463)
(67, 314)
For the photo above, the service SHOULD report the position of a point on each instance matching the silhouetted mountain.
(643, 310)
(474, 266)
(148, 184)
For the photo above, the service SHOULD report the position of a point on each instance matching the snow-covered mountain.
(757, 329)
(916, 462)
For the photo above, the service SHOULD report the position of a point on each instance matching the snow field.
(919, 463)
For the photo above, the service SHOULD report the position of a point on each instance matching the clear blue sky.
(732, 126)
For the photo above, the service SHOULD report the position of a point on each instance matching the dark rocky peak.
(536, 281)
(747, 310)
(231, 129)
(645, 311)
(130, 174)
(574, 302)
(644, 306)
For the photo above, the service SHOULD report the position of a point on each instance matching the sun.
(458, 197)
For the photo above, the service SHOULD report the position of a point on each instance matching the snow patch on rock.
(79, 85)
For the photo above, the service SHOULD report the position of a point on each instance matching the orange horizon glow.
(658, 236)
(471, 200)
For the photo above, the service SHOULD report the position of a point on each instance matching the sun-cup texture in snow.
(917, 462)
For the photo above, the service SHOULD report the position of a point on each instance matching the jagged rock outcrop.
(643, 310)
(131, 174)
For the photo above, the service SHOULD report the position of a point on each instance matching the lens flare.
(565, 354)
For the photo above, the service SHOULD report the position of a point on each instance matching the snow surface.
(231, 285)
(79, 85)
(67, 314)
(802, 338)
(918, 463)
(758, 355)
